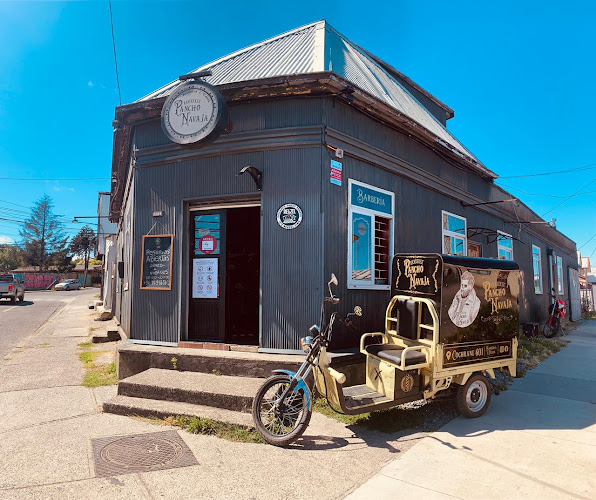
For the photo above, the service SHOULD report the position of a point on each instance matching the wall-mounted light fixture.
(256, 175)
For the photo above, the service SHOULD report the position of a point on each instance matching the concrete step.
(221, 391)
(142, 407)
(111, 335)
(136, 358)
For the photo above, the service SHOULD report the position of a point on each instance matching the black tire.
(22, 297)
(474, 396)
(551, 330)
(280, 428)
(13, 300)
(67, 288)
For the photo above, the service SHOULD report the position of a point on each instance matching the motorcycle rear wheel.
(280, 425)
(551, 330)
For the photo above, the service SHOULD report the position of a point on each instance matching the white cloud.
(60, 189)
(90, 83)
(5, 240)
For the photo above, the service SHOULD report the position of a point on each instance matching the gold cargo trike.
(450, 322)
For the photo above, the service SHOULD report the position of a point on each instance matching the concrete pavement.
(536, 441)
(48, 421)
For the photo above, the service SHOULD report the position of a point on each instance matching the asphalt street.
(19, 321)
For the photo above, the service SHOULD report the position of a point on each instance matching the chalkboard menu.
(156, 264)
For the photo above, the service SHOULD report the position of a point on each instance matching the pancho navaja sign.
(194, 113)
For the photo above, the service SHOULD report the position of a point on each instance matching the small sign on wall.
(204, 279)
(156, 263)
(335, 173)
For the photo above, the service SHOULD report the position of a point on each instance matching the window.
(370, 236)
(537, 265)
(455, 240)
(560, 275)
(504, 246)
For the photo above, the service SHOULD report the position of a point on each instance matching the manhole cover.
(140, 453)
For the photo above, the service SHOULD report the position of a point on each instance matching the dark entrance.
(224, 275)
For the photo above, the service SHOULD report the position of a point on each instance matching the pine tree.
(82, 244)
(42, 234)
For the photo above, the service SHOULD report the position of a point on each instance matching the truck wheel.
(22, 297)
(13, 299)
(473, 397)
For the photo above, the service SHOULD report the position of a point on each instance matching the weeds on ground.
(92, 329)
(87, 344)
(589, 315)
(206, 426)
(97, 375)
(532, 351)
(101, 375)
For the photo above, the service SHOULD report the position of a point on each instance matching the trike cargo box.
(476, 300)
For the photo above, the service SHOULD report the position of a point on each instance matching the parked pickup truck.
(11, 287)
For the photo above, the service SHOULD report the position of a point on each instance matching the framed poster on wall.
(156, 262)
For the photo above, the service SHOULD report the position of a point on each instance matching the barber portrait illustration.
(465, 305)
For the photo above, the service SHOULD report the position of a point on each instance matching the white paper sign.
(204, 278)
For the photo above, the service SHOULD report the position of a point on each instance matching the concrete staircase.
(164, 381)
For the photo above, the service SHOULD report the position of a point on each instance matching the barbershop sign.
(371, 199)
(194, 113)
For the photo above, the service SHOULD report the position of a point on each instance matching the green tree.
(10, 258)
(42, 234)
(82, 244)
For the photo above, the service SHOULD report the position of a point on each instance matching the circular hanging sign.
(289, 216)
(195, 112)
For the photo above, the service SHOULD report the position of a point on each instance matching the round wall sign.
(289, 216)
(194, 112)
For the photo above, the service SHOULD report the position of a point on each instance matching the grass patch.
(45, 345)
(16, 351)
(88, 357)
(7, 359)
(206, 426)
(101, 375)
(92, 329)
(531, 351)
(86, 345)
(589, 315)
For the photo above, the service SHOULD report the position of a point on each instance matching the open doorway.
(224, 275)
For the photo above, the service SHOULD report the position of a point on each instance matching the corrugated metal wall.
(418, 210)
(291, 259)
(283, 139)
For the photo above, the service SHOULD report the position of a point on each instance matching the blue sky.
(519, 75)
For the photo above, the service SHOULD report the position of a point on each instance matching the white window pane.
(457, 225)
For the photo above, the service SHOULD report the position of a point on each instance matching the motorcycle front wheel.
(552, 329)
(280, 424)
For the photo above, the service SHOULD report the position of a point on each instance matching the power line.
(569, 197)
(541, 194)
(594, 235)
(585, 167)
(54, 178)
(115, 59)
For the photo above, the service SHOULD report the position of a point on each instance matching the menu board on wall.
(156, 262)
(204, 279)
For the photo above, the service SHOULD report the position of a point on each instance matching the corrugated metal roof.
(314, 48)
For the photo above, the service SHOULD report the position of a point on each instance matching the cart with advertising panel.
(451, 322)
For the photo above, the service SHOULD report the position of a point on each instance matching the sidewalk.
(48, 421)
(536, 441)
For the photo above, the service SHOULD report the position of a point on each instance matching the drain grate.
(140, 453)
